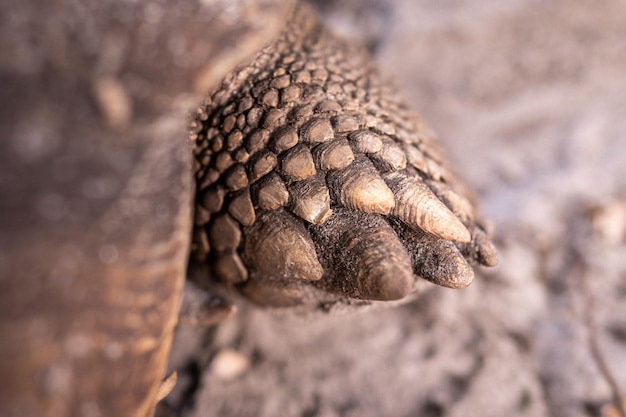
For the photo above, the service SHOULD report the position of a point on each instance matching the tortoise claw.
(367, 260)
(313, 174)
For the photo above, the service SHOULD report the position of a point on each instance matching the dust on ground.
(530, 100)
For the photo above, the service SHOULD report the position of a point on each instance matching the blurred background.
(529, 98)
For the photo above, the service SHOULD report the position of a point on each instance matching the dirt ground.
(529, 98)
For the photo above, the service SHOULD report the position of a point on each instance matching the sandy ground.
(529, 97)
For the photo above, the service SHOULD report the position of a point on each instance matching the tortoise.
(97, 192)
(313, 177)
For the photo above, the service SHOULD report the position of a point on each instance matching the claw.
(278, 245)
(480, 248)
(359, 187)
(417, 206)
(311, 200)
(369, 261)
(436, 260)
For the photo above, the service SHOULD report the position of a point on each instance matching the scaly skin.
(95, 191)
(315, 178)
(96, 196)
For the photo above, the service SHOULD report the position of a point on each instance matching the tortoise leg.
(312, 172)
(95, 192)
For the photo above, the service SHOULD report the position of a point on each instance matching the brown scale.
(315, 178)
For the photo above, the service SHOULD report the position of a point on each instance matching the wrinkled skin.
(316, 182)
(95, 191)
(96, 197)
